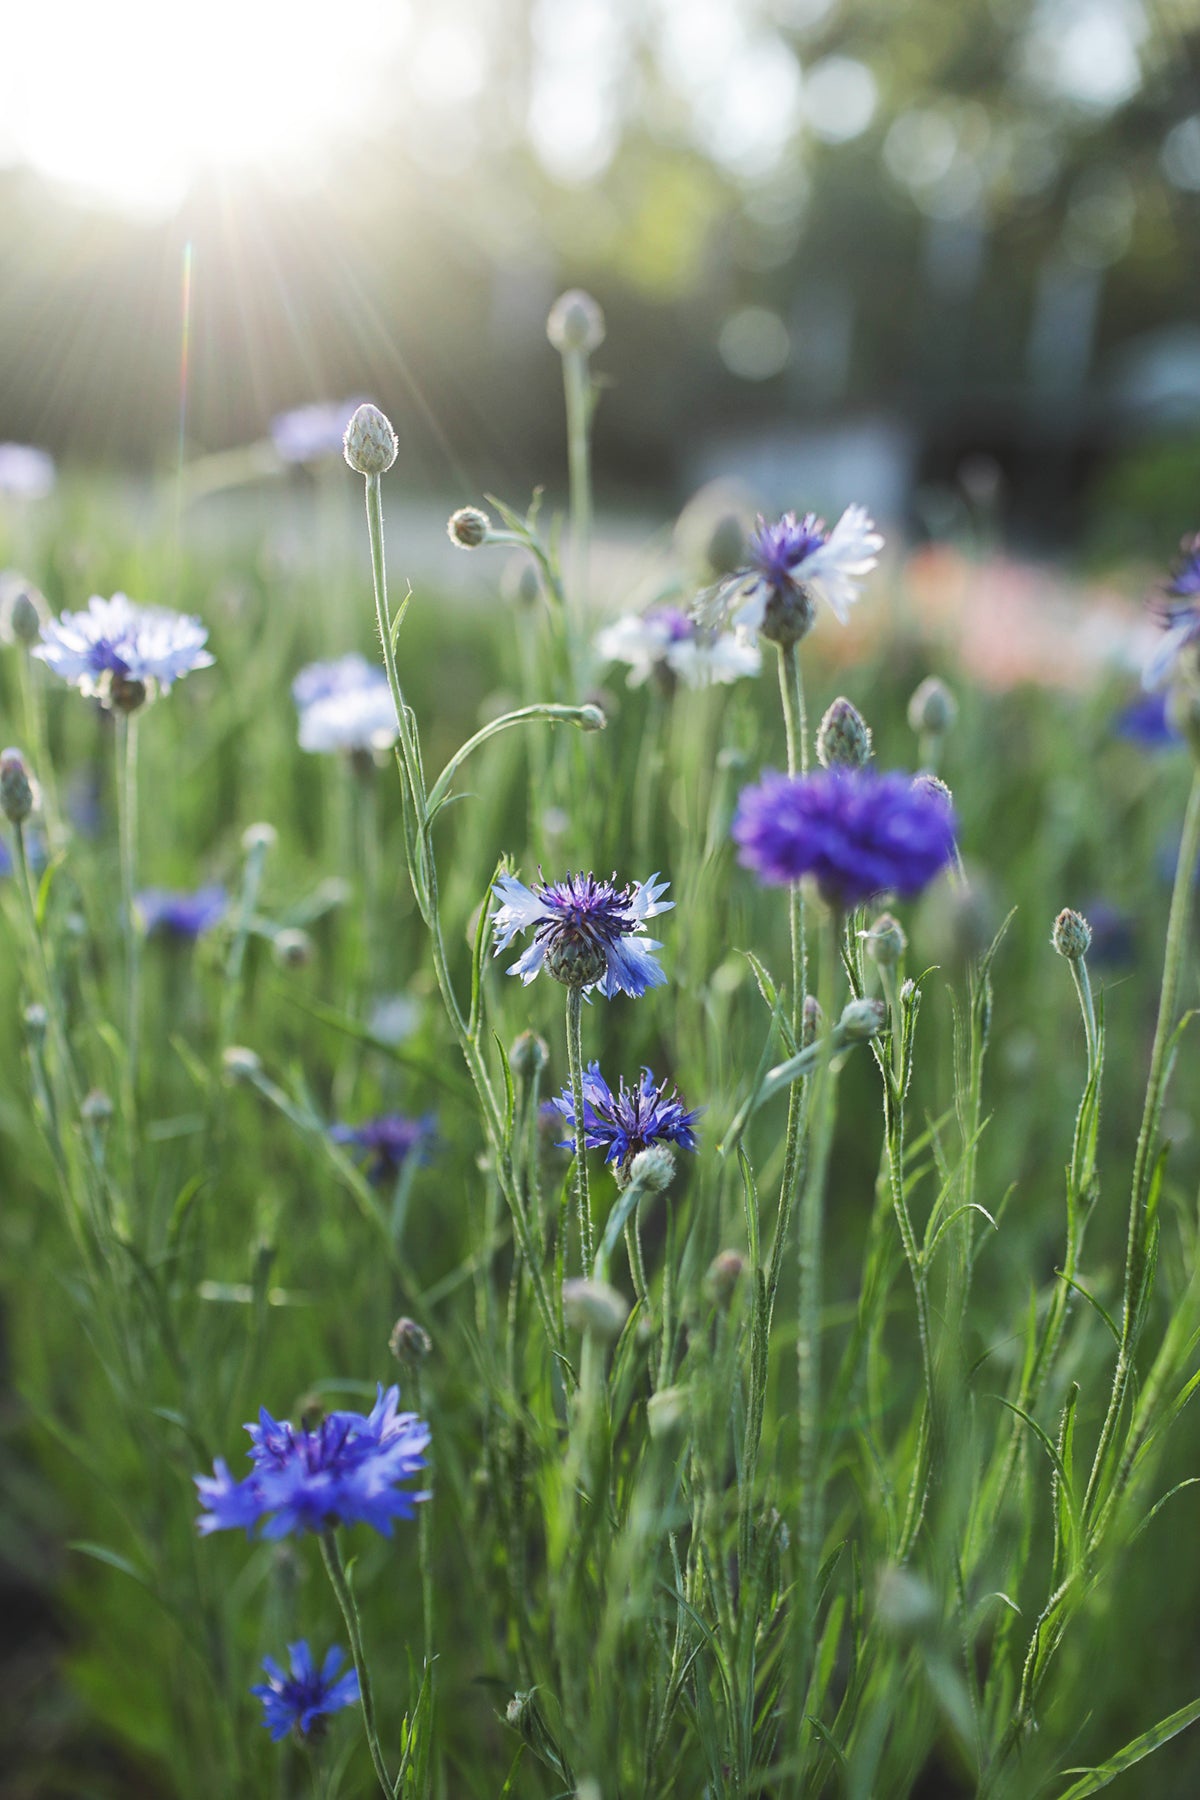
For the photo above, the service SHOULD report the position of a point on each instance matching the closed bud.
(409, 1343)
(17, 792)
(885, 942)
(370, 443)
(653, 1169)
(528, 1055)
(468, 527)
(21, 611)
(932, 709)
(721, 1280)
(96, 1107)
(861, 1020)
(843, 737)
(1072, 935)
(934, 786)
(293, 948)
(592, 717)
(666, 1412)
(575, 323)
(240, 1063)
(594, 1307)
(259, 838)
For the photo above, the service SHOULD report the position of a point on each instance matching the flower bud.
(932, 709)
(666, 1412)
(722, 1277)
(861, 1020)
(528, 1054)
(369, 445)
(293, 948)
(17, 792)
(259, 837)
(96, 1107)
(576, 323)
(240, 1063)
(811, 1021)
(592, 717)
(653, 1169)
(409, 1343)
(21, 612)
(595, 1307)
(468, 527)
(934, 786)
(36, 1020)
(843, 737)
(885, 942)
(1072, 935)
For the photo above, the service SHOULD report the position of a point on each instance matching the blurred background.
(928, 256)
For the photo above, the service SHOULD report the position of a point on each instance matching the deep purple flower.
(345, 1471)
(388, 1140)
(629, 1121)
(1179, 612)
(857, 833)
(181, 914)
(298, 1700)
(788, 561)
(115, 645)
(588, 933)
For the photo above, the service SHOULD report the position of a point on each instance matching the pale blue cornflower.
(789, 564)
(345, 705)
(298, 1700)
(25, 472)
(666, 642)
(309, 433)
(587, 933)
(120, 653)
(1179, 612)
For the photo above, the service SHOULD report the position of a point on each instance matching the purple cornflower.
(1144, 721)
(346, 1471)
(179, 914)
(120, 652)
(629, 1121)
(298, 1700)
(345, 705)
(308, 433)
(857, 833)
(587, 932)
(1179, 612)
(388, 1140)
(790, 563)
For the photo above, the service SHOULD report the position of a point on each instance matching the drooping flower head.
(629, 1121)
(855, 832)
(348, 1470)
(179, 914)
(388, 1142)
(666, 643)
(297, 1701)
(345, 705)
(587, 933)
(121, 653)
(789, 564)
(308, 433)
(1179, 613)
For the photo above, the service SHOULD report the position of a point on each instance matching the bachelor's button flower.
(855, 832)
(345, 705)
(1179, 612)
(665, 639)
(308, 433)
(26, 473)
(588, 933)
(788, 565)
(344, 675)
(181, 915)
(388, 1142)
(1144, 721)
(347, 1471)
(629, 1121)
(119, 652)
(298, 1700)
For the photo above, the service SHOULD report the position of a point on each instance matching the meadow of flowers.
(594, 1205)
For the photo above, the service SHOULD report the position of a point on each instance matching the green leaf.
(1099, 1777)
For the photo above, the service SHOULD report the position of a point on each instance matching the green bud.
(1072, 935)
(370, 444)
(528, 1055)
(933, 708)
(885, 942)
(575, 323)
(17, 791)
(843, 737)
(861, 1020)
(468, 527)
(409, 1343)
(722, 1277)
(594, 1307)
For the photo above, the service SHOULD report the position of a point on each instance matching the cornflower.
(666, 642)
(179, 914)
(345, 705)
(588, 933)
(120, 653)
(388, 1140)
(297, 1701)
(629, 1121)
(1179, 613)
(788, 565)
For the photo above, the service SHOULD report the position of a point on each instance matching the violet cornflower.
(855, 832)
(348, 1470)
(388, 1141)
(588, 933)
(629, 1121)
(788, 565)
(665, 641)
(179, 914)
(345, 705)
(121, 653)
(297, 1701)
(1179, 612)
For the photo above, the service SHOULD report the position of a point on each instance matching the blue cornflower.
(179, 914)
(308, 433)
(298, 1700)
(346, 1471)
(857, 833)
(1144, 721)
(1179, 613)
(629, 1121)
(345, 705)
(790, 563)
(588, 933)
(388, 1140)
(120, 652)
(665, 643)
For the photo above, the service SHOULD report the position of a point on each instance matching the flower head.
(667, 642)
(297, 1700)
(25, 472)
(788, 565)
(179, 914)
(1179, 612)
(346, 1471)
(588, 933)
(388, 1141)
(345, 705)
(308, 433)
(857, 833)
(629, 1121)
(120, 652)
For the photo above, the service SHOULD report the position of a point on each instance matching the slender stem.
(577, 388)
(127, 803)
(344, 1594)
(575, 1067)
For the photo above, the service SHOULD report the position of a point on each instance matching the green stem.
(344, 1594)
(577, 388)
(127, 803)
(575, 1068)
